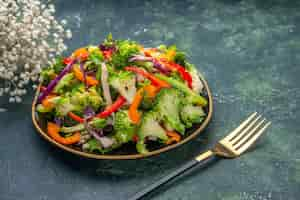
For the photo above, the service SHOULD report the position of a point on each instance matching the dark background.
(248, 52)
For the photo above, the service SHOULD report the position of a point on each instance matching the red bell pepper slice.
(108, 111)
(185, 75)
(107, 54)
(135, 138)
(112, 108)
(155, 81)
(43, 88)
(67, 60)
(75, 117)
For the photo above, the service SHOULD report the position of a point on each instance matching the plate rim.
(195, 133)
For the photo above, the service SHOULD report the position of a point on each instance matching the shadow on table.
(125, 169)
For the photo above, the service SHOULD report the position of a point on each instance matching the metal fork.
(232, 146)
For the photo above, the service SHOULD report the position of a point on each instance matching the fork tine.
(246, 145)
(240, 127)
(251, 124)
(248, 134)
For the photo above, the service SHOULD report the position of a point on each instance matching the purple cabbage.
(89, 112)
(105, 141)
(160, 67)
(58, 121)
(54, 82)
(103, 47)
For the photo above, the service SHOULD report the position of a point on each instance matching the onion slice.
(105, 141)
(104, 83)
(155, 62)
(140, 58)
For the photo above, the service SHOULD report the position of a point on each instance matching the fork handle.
(172, 175)
(205, 155)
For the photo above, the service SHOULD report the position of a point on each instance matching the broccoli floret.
(47, 75)
(96, 122)
(64, 106)
(58, 65)
(143, 83)
(41, 109)
(191, 114)
(77, 100)
(94, 99)
(83, 98)
(162, 48)
(123, 126)
(168, 103)
(54, 100)
(95, 55)
(149, 127)
(94, 145)
(124, 83)
(175, 75)
(180, 58)
(64, 84)
(169, 52)
(125, 50)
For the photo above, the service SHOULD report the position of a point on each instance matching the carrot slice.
(173, 137)
(53, 131)
(90, 81)
(133, 112)
(81, 53)
(46, 102)
(151, 90)
(72, 139)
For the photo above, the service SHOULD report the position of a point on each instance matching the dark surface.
(249, 53)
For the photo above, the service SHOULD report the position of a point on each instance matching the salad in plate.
(120, 93)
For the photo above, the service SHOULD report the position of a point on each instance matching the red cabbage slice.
(89, 112)
(54, 82)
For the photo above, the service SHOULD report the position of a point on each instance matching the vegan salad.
(102, 97)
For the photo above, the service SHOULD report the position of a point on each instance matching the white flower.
(29, 35)
(63, 22)
(68, 33)
(18, 99)
(11, 100)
